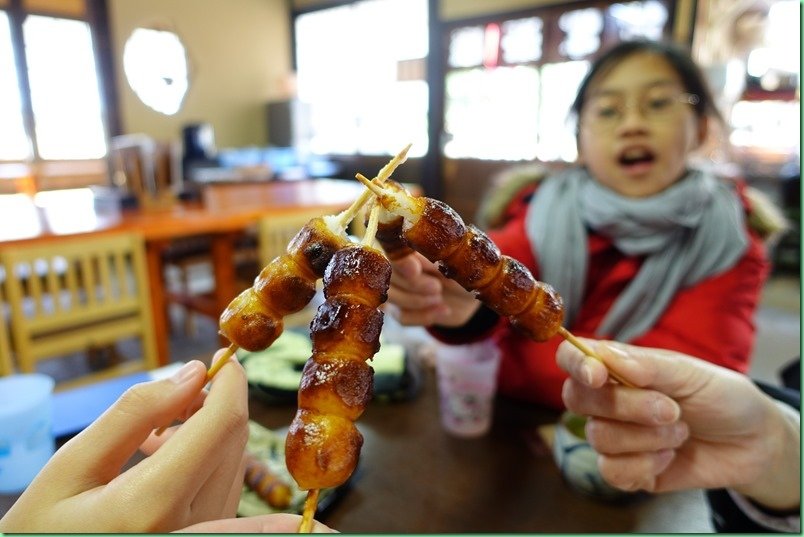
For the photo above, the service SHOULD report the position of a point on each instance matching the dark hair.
(691, 76)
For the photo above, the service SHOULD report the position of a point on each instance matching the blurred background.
(267, 90)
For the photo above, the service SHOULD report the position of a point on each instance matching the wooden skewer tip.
(368, 184)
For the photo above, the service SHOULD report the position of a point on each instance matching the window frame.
(551, 39)
(96, 16)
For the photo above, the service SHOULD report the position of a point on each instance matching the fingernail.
(680, 432)
(586, 374)
(664, 411)
(663, 458)
(185, 373)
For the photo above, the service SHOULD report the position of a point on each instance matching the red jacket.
(713, 320)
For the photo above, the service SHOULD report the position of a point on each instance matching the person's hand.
(421, 296)
(194, 472)
(686, 424)
(273, 523)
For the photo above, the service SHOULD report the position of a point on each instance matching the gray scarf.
(688, 232)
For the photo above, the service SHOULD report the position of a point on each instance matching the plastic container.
(26, 437)
(467, 384)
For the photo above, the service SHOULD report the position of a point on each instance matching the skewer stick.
(371, 227)
(222, 362)
(580, 345)
(310, 505)
(349, 214)
(211, 373)
(378, 190)
(372, 187)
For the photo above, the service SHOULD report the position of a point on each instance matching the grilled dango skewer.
(468, 256)
(323, 445)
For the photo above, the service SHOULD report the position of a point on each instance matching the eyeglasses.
(606, 113)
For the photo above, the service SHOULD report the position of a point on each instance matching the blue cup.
(26, 422)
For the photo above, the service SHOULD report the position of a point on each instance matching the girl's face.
(637, 126)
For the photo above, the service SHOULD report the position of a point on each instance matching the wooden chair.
(77, 294)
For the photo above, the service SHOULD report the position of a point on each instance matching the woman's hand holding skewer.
(421, 296)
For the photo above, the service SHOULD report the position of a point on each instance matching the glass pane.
(466, 47)
(522, 40)
(560, 82)
(780, 53)
(639, 19)
(581, 29)
(64, 88)
(13, 141)
(155, 63)
(766, 137)
(348, 76)
(492, 114)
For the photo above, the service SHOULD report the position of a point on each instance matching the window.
(64, 88)
(361, 77)
(62, 85)
(518, 76)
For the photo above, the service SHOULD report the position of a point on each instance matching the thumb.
(106, 445)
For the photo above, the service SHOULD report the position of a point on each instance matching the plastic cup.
(26, 437)
(467, 383)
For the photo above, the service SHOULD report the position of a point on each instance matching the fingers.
(97, 454)
(615, 438)
(212, 438)
(617, 402)
(273, 523)
(637, 471)
(416, 292)
(669, 372)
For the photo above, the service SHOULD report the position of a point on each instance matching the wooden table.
(415, 478)
(225, 211)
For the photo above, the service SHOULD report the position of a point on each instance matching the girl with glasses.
(642, 247)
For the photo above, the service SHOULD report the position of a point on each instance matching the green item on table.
(279, 367)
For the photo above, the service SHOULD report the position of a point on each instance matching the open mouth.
(636, 158)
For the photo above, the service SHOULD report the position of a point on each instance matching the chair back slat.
(87, 279)
(30, 271)
(121, 275)
(71, 283)
(52, 286)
